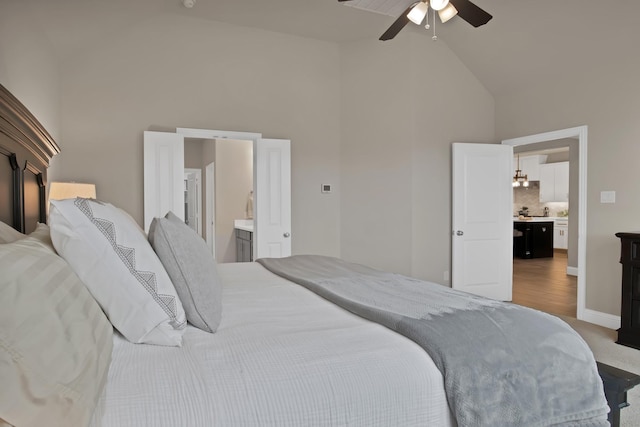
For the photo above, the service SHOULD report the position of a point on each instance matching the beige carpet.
(602, 343)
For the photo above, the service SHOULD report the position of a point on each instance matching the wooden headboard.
(26, 149)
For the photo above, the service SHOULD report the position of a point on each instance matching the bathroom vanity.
(244, 240)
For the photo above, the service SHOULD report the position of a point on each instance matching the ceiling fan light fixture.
(439, 4)
(448, 12)
(417, 14)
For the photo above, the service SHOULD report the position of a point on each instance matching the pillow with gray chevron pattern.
(55, 341)
(111, 255)
(192, 270)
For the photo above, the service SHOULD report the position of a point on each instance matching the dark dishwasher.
(536, 240)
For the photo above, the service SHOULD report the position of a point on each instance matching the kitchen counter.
(539, 218)
(533, 238)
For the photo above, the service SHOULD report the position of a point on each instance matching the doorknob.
(459, 233)
(286, 234)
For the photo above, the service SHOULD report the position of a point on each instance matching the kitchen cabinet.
(244, 246)
(554, 182)
(533, 239)
(561, 234)
(530, 165)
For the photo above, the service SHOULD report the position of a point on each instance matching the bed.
(262, 350)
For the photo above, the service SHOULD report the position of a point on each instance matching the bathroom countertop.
(243, 224)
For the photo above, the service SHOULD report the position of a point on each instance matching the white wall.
(181, 72)
(403, 103)
(605, 98)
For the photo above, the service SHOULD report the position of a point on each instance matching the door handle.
(287, 234)
(459, 233)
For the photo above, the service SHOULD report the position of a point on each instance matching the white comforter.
(282, 356)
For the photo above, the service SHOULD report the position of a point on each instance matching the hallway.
(543, 284)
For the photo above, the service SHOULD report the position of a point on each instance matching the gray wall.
(400, 114)
(604, 97)
(352, 116)
(182, 72)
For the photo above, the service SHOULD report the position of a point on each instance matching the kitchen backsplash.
(530, 197)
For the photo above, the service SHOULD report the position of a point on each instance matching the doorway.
(578, 212)
(270, 195)
(542, 260)
(164, 184)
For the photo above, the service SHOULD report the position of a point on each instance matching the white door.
(272, 207)
(482, 237)
(163, 175)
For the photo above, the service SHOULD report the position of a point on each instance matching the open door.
(482, 236)
(272, 184)
(163, 175)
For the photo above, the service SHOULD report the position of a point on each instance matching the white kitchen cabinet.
(554, 182)
(530, 165)
(561, 234)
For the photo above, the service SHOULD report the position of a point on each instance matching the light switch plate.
(607, 197)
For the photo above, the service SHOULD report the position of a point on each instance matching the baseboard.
(603, 319)
(572, 271)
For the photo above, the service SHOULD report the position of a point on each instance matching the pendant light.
(520, 179)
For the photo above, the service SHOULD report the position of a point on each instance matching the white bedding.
(282, 356)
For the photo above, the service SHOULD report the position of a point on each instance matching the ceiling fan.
(446, 9)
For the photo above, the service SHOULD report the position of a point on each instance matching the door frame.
(210, 203)
(579, 132)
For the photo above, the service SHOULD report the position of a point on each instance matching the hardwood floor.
(543, 284)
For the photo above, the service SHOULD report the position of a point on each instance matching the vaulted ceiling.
(526, 42)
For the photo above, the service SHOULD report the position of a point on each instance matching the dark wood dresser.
(629, 332)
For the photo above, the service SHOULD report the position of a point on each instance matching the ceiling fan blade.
(471, 13)
(398, 25)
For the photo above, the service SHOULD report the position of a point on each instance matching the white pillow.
(111, 255)
(55, 341)
(9, 234)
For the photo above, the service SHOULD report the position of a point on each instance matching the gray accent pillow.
(192, 270)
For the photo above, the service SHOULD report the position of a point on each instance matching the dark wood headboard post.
(24, 141)
(18, 194)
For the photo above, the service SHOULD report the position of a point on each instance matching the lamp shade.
(71, 190)
(417, 14)
(448, 12)
(439, 4)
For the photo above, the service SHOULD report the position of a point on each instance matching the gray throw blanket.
(503, 364)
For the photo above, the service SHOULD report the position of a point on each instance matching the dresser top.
(629, 235)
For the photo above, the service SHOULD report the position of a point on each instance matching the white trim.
(572, 271)
(210, 200)
(218, 134)
(603, 319)
(579, 132)
(198, 173)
